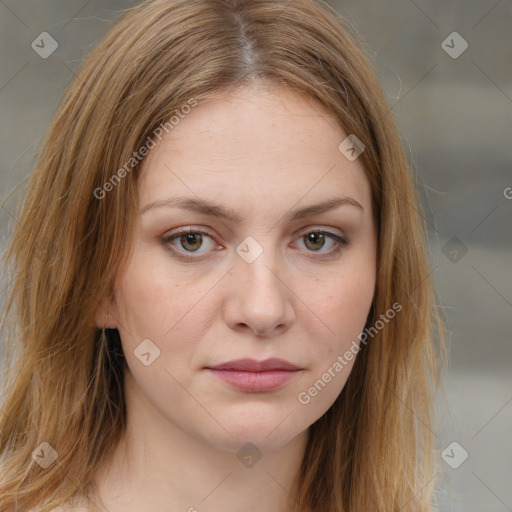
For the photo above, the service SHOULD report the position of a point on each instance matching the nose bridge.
(258, 262)
(259, 297)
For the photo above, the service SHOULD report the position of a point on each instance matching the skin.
(261, 151)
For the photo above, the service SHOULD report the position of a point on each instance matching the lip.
(255, 376)
(252, 365)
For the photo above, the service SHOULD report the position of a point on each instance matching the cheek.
(343, 305)
(169, 308)
(147, 293)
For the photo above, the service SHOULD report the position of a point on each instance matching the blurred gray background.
(453, 107)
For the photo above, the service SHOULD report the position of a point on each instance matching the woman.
(220, 292)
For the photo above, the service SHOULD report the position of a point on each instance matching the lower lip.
(255, 382)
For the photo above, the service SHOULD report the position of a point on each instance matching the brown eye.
(186, 242)
(191, 241)
(315, 241)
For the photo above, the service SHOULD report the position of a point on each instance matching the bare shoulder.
(73, 506)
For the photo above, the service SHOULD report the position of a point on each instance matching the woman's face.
(270, 283)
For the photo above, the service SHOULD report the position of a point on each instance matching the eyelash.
(341, 243)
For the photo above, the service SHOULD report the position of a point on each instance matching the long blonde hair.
(373, 450)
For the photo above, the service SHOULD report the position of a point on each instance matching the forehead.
(263, 144)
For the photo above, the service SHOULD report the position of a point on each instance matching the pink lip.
(255, 376)
(251, 365)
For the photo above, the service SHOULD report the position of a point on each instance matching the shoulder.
(74, 507)
(71, 506)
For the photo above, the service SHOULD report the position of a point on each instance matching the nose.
(258, 298)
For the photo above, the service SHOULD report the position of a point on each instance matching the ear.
(104, 312)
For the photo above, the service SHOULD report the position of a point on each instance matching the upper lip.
(252, 365)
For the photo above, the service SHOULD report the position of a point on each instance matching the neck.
(158, 464)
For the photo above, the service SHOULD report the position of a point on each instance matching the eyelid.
(322, 229)
(181, 255)
(341, 241)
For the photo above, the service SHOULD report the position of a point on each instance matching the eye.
(315, 240)
(186, 242)
(189, 240)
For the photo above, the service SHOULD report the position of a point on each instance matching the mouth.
(256, 376)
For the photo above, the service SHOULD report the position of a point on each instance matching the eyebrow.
(213, 209)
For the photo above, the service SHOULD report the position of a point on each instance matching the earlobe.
(104, 319)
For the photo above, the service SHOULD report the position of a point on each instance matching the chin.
(251, 444)
(267, 434)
